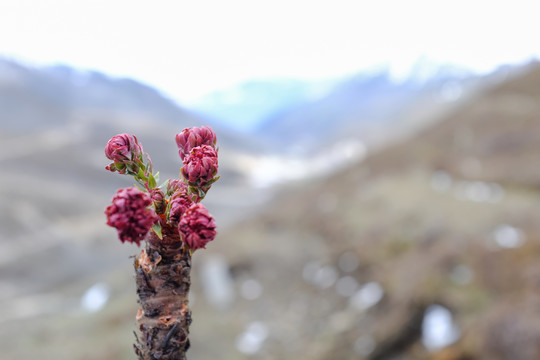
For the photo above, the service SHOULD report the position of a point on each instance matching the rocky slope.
(352, 266)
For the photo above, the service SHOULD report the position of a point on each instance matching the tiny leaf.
(157, 229)
(140, 187)
(151, 181)
(141, 175)
(202, 193)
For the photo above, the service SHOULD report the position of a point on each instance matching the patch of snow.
(438, 328)
(217, 283)
(251, 340)
(95, 298)
(368, 295)
(508, 237)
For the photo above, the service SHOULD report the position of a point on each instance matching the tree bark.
(162, 272)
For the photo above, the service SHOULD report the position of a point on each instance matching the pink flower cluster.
(190, 138)
(175, 185)
(123, 150)
(197, 149)
(197, 227)
(200, 166)
(176, 207)
(179, 205)
(130, 215)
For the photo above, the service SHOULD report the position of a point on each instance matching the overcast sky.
(189, 48)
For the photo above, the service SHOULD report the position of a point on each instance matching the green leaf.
(157, 229)
(141, 175)
(202, 193)
(213, 180)
(164, 187)
(140, 187)
(151, 181)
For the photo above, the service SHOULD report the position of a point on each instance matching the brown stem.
(162, 273)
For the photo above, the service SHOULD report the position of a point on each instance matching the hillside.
(346, 267)
(449, 217)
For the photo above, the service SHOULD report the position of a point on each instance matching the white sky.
(189, 48)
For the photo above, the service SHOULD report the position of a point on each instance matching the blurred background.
(380, 175)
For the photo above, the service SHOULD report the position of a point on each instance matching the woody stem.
(163, 279)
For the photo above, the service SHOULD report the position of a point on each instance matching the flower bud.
(179, 205)
(158, 198)
(123, 150)
(197, 227)
(174, 186)
(200, 166)
(130, 215)
(190, 138)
